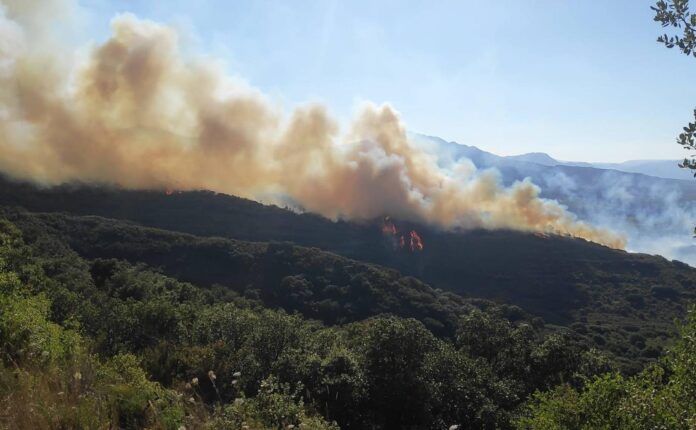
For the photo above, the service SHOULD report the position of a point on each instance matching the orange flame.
(172, 191)
(388, 227)
(413, 239)
(416, 243)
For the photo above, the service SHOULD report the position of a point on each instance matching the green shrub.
(661, 397)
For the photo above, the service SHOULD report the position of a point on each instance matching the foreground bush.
(49, 379)
(663, 396)
(107, 344)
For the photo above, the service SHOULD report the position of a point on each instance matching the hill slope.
(626, 301)
(100, 343)
(319, 285)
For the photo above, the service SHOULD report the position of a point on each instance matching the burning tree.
(410, 242)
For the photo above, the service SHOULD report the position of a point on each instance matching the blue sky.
(582, 80)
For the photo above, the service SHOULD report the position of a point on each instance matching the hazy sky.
(582, 80)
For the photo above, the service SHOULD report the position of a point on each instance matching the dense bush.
(105, 342)
(50, 376)
(663, 396)
(105, 323)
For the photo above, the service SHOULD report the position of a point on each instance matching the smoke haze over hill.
(135, 111)
(655, 214)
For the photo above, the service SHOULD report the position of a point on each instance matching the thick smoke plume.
(136, 112)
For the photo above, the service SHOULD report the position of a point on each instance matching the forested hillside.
(163, 309)
(620, 302)
(318, 284)
(95, 342)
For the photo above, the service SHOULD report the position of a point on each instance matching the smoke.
(135, 111)
(656, 216)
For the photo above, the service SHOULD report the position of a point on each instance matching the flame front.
(400, 241)
(388, 227)
(415, 241)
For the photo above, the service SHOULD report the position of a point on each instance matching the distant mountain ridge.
(537, 157)
(656, 214)
(666, 169)
(660, 168)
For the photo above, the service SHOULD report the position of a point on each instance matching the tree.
(660, 397)
(394, 353)
(676, 14)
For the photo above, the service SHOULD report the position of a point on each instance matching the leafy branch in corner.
(687, 139)
(676, 14)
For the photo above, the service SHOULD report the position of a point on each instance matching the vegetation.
(622, 303)
(319, 285)
(677, 14)
(109, 323)
(93, 343)
(102, 342)
(661, 397)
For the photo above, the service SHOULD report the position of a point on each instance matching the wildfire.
(170, 192)
(415, 243)
(388, 227)
(411, 242)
